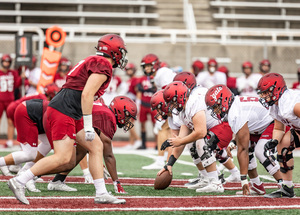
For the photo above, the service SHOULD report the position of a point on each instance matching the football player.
(197, 67)
(85, 83)
(10, 80)
(247, 83)
(161, 77)
(195, 120)
(264, 66)
(284, 108)
(212, 76)
(64, 67)
(252, 127)
(121, 111)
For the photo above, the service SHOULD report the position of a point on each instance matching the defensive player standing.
(252, 127)
(284, 107)
(85, 82)
(9, 81)
(162, 77)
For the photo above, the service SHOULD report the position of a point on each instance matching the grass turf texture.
(130, 166)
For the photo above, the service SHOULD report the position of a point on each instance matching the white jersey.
(247, 86)
(34, 77)
(284, 111)
(248, 109)
(207, 79)
(174, 122)
(163, 77)
(196, 103)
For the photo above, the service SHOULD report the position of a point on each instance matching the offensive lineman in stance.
(89, 78)
(284, 108)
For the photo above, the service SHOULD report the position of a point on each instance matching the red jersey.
(231, 82)
(132, 83)
(78, 76)
(296, 86)
(68, 100)
(147, 90)
(59, 81)
(13, 105)
(104, 119)
(8, 82)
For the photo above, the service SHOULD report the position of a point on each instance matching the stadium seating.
(78, 13)
(257, 14)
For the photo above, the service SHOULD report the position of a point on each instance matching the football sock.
(100, 186)
(144, 139)
(2, 161)
(288, 183)
(59, 177)
(25, 177)
(255, 180)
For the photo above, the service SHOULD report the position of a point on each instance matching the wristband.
(243, 182)
(88, 122)
(243, 177)
(171, 160)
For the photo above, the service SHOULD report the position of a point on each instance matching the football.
(163, 181)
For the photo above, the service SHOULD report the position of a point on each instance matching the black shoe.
(141, 147)
(283, 192)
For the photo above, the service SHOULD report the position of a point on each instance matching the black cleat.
(283, 192)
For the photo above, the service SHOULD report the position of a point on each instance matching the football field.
(141, 198)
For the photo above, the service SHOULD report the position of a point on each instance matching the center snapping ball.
(163, 181)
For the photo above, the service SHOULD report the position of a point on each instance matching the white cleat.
(88, 179)
(5, 171)
(204, 181)
(137, 144)
(192, 182)
(215, 186)
(233, 178)
(14, 168)
(18, 190)
(30, 185)
(107, 198)
(60, 186)
(155, 165)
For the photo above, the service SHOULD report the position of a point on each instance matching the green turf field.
(129, 165)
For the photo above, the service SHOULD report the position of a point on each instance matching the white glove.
(88, 179)
(88, 127)
(157, 126)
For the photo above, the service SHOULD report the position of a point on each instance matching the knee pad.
(27, 154)
(222, 156)
(252, 162)
(284, 158)
(193, 151)
(44, 147)
(208, 161)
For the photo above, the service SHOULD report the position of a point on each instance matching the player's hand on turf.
(246, 189)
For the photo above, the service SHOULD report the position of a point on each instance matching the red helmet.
(51, 90)
(164, 64)
(273, 83)
(219, 99)
(223, 69)
(247, 64)
(130, 66)
(158, 103)
(124, 109)
(187, 78)
(150, 59)
(264, 62)
(113, 46)
(197, 66)
(212, 63)
(175, 94)
(66, 62)
(34, 59)
(6, 57)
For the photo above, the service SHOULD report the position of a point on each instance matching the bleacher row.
(257, 14)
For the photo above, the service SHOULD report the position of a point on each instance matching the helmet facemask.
(126, 123)
(175, 107)
(161, 115)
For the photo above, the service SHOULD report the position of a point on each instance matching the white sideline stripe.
(140, 197)
(154, 209)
